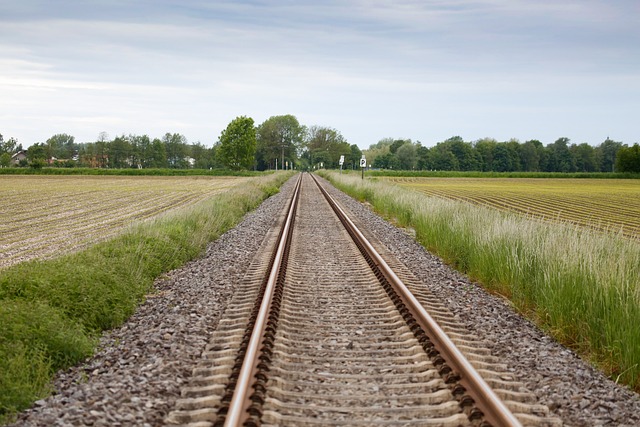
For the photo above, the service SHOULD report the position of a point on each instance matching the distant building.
(18, 157)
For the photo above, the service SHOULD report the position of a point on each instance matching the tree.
(485, 148)
(5, 160)
(585, 156)
(530, 155)
(143, 150)
(353, 158)
(628, 159)
(101, 149)
(8, 146)
(279, 137)
(606, 154)
(560, 157)
(201, 156)
(119, 153)
(60, 146)
(501, 158)
(424, 161)
(406, 155)
(397, 144)
(237, 144)
(37, 151)
(443, 159)
(467, 159)
(158, 154)
(325, 145)
(176, 149)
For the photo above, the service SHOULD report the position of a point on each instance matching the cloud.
(363, 67)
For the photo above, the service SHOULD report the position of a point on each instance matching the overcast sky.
(425, 70)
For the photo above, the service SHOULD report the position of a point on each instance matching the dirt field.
(44, 216)
(607, 204)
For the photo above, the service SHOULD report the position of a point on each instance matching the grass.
(580, 285)
(51, 311)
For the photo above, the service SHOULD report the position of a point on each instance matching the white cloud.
(371, 69)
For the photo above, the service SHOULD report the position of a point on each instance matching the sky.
(371, 69)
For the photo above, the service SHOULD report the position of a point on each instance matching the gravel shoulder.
(136, 375)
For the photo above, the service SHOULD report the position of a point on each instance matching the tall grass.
(580, 285)
(52, 311)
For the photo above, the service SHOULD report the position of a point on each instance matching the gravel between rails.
(136, 376)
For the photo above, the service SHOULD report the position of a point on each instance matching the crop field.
(605, 204)
(44, 216)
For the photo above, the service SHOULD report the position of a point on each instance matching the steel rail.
(240, 402)
(495, 411)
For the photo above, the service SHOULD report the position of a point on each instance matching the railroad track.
(323, 331)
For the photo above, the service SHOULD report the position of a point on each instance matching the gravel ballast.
(136, 375)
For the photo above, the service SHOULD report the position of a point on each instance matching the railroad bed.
(337, 350)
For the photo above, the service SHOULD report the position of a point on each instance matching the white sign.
(341, 160)
(363, 162)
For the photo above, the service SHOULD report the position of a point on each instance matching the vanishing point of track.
(323, 331)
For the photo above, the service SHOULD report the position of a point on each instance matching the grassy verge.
(581, 286)
(52, 311)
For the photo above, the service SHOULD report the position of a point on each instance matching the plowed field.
(43, 216)
(604, 204)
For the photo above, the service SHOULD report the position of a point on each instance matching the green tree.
(61, 146)
(585, 156)
(37, 151)
(397, 144)
(424, 162)
(485, 148)
(502, 161)
(142, 149)
(9, 146)
(325, 145)
(102, 150)
(406, 154)
(176, 150)
(513, 150)
(628, 159)
(352, 160)
(442, 159)
(237, 144)
(201, 156)
(158, 154)
(119, 153)
(560, 157)
(606, 154)
(279, 137)
(5, 160)
(530, 155)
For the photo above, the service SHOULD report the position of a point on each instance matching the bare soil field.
(611, 205)
(45, 216)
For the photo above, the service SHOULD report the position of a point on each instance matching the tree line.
(489, 155)
(282, 142)
(277, 143)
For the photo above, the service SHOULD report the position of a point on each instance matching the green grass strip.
(52, 311)
(581, 286)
